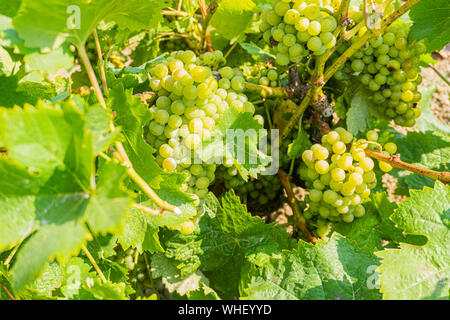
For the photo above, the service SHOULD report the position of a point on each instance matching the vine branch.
(7, 291)
(301, 222)
(395, 162)
(121, 154)
(206, 41)
(101, 63)
(94, 264)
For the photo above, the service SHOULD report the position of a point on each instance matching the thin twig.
(150, 211)
(11, 255)
(440, 75)
(301, 221)
(206, 40)
(395, 162)
(9, 293)
(265, 91)
(94, 264)
(231, 49)
(174, 13)
(101, 63)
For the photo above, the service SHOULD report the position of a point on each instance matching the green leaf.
(431, 23)
(49, 63)
(110, 201)
(254, 50)
(50, 279)
(49, 24)
(75, 273)
(51, 241)
(194, 286)
(358, 113)
(336, 270)
(370, 231)
(232, 17)
(420, 272)
(9, 8)
(106, 291)
(300, 144)
(47, 187)
(426, 149)
(237, 135)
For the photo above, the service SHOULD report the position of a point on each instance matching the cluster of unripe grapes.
(388, 66)
(265, 76)
(256, 191)
(137, 272)
(339, 175)
(189, 105)
(297, 28)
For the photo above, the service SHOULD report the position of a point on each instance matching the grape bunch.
(190, 103)
(339, 176)
(137, 271)
(256, 192)
(262, 75)
(212, 59)
(296, 28)
(389, 67)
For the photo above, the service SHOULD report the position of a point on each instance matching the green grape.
(314, 28)
(187, 227)
(390, 147)
(314, 44)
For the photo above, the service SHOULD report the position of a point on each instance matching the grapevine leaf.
(135, 227)
(49, 24)
(232, 17)
(110, 201)
(357, 113)
(47, 187)
(420, 272)
(370, 231)
(76, 272)
(106, 291)
(194, 286)
(431, 23)
(50, 279)
(335, 270)
(51, 62)
(9, 8)
(426, 149)
(233, 125)
(254, 50)
(300, 144)
(51, 241)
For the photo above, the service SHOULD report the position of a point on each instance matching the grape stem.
(121, 154)
(206, 40)
(9, 293)
(440, 75)
(94, 264)
(395, 162)
(265, 91)
(175, 13)
(150, 211)
(13, 252)
(101, 63)
(301, 221)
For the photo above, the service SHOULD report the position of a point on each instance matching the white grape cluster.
(389, 66)
(189, 105)
(297, 27)
(339, 175)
